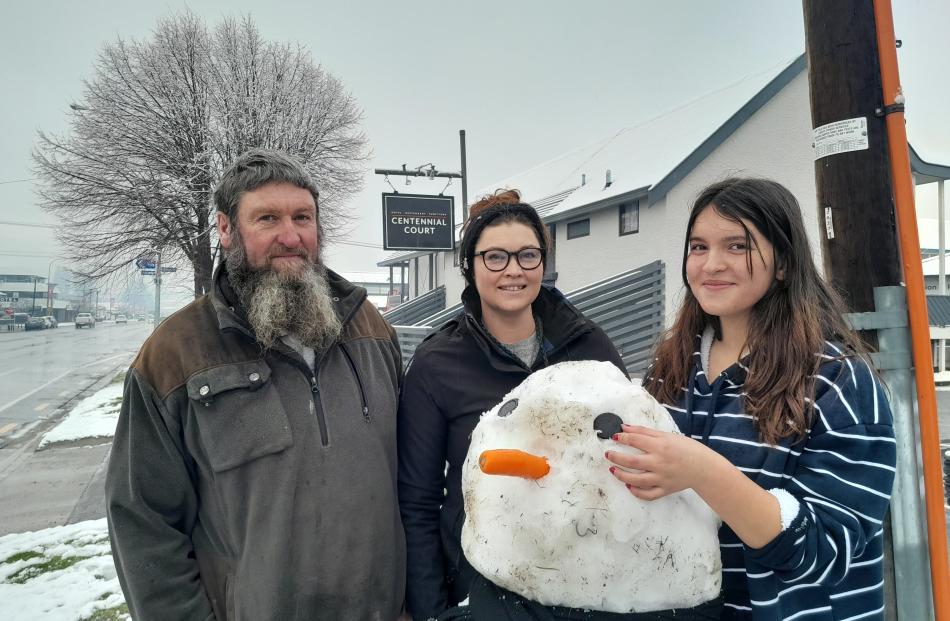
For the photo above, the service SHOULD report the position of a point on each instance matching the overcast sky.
(527, 79)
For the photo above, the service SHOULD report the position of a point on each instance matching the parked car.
(85, 320)
(121, 319)
(51, 321)
(36, 323)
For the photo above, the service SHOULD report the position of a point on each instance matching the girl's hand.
(669, 463)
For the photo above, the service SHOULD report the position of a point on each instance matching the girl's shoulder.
(848, 391)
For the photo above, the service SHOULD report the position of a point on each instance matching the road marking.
(7, 428)
(41, 407)
(52, 381)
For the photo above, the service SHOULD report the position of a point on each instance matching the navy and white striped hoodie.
(827, 562)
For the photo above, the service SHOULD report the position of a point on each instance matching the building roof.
(651, 157)
(938, 309)
(647, 159)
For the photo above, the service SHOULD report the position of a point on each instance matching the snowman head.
(546, 519)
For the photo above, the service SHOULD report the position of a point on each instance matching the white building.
(623, 201)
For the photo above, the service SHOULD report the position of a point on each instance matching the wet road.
(41, 370)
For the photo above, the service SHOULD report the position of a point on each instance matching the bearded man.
(253, 472)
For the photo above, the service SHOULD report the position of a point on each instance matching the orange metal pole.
(916, 307)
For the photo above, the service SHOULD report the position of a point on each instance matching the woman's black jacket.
(458, 373)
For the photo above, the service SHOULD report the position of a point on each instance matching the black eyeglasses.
(496, 259)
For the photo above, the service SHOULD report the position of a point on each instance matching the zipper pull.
(365, 414)
(313, 385)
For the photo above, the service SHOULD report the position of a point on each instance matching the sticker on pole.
(840, 137)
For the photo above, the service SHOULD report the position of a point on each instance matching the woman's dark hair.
(788, 325)
(498, 208)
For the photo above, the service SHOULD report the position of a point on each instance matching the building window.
(579, 228)
(629, 218)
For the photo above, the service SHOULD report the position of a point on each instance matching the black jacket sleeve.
(422, 440)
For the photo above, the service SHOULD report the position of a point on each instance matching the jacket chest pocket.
(239, 414)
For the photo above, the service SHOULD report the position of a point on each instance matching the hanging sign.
(418, 222)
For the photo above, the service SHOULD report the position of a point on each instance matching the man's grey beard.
(279, 304)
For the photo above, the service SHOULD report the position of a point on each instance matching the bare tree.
(162, 117)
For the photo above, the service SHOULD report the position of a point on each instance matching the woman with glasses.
(511, 326)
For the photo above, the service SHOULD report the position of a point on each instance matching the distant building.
(30, 293)
(380, 290)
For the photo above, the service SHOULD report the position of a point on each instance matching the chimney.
(583, 179)
(609, 180)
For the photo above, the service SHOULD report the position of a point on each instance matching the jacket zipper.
(359, 382)
(317, 411)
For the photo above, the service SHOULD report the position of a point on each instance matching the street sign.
(145, 264)
(151, 271)
(418, 222)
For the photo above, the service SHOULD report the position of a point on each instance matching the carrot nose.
(513, 463)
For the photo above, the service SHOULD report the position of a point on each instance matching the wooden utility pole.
(856, 210)
(865, 198)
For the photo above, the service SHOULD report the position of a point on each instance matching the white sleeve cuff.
(788, 505)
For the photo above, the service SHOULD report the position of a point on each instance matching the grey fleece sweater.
(242, 487)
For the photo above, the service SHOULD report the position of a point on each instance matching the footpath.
(60, 484)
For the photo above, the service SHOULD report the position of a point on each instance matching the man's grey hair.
(255, 168)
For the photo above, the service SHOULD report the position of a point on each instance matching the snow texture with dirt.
(576, 537)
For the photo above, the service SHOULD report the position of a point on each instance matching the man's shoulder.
(187, 341)
(367, 322)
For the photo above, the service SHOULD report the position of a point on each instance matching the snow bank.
(94, 417)
(63, 573)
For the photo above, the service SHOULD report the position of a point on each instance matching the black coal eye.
(607, 424)
(507, 408)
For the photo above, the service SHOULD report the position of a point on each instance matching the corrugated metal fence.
(427, 304)
(629, 307)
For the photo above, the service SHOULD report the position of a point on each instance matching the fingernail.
(607, 454)
(612, 470)
(616, 436)
(629, 486)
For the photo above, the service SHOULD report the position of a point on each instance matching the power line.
(31, 224)
(28, 254)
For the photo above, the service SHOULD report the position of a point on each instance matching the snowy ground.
(66, 573)
(94, 416)
(63, 573)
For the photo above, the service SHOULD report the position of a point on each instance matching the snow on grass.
(94, 417)
(63, 573)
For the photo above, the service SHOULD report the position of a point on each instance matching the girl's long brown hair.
(788, 327)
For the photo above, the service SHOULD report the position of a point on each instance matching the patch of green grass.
(116, 613)
(118, 379)
(22, 556)
(55, 563)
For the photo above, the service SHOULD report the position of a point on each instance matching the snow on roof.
(641, 155)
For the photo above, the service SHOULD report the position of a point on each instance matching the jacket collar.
(561, 323)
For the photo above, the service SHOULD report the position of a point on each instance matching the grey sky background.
(527, 79)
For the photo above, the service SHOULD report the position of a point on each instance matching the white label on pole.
(829, 225)
(840, 137)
